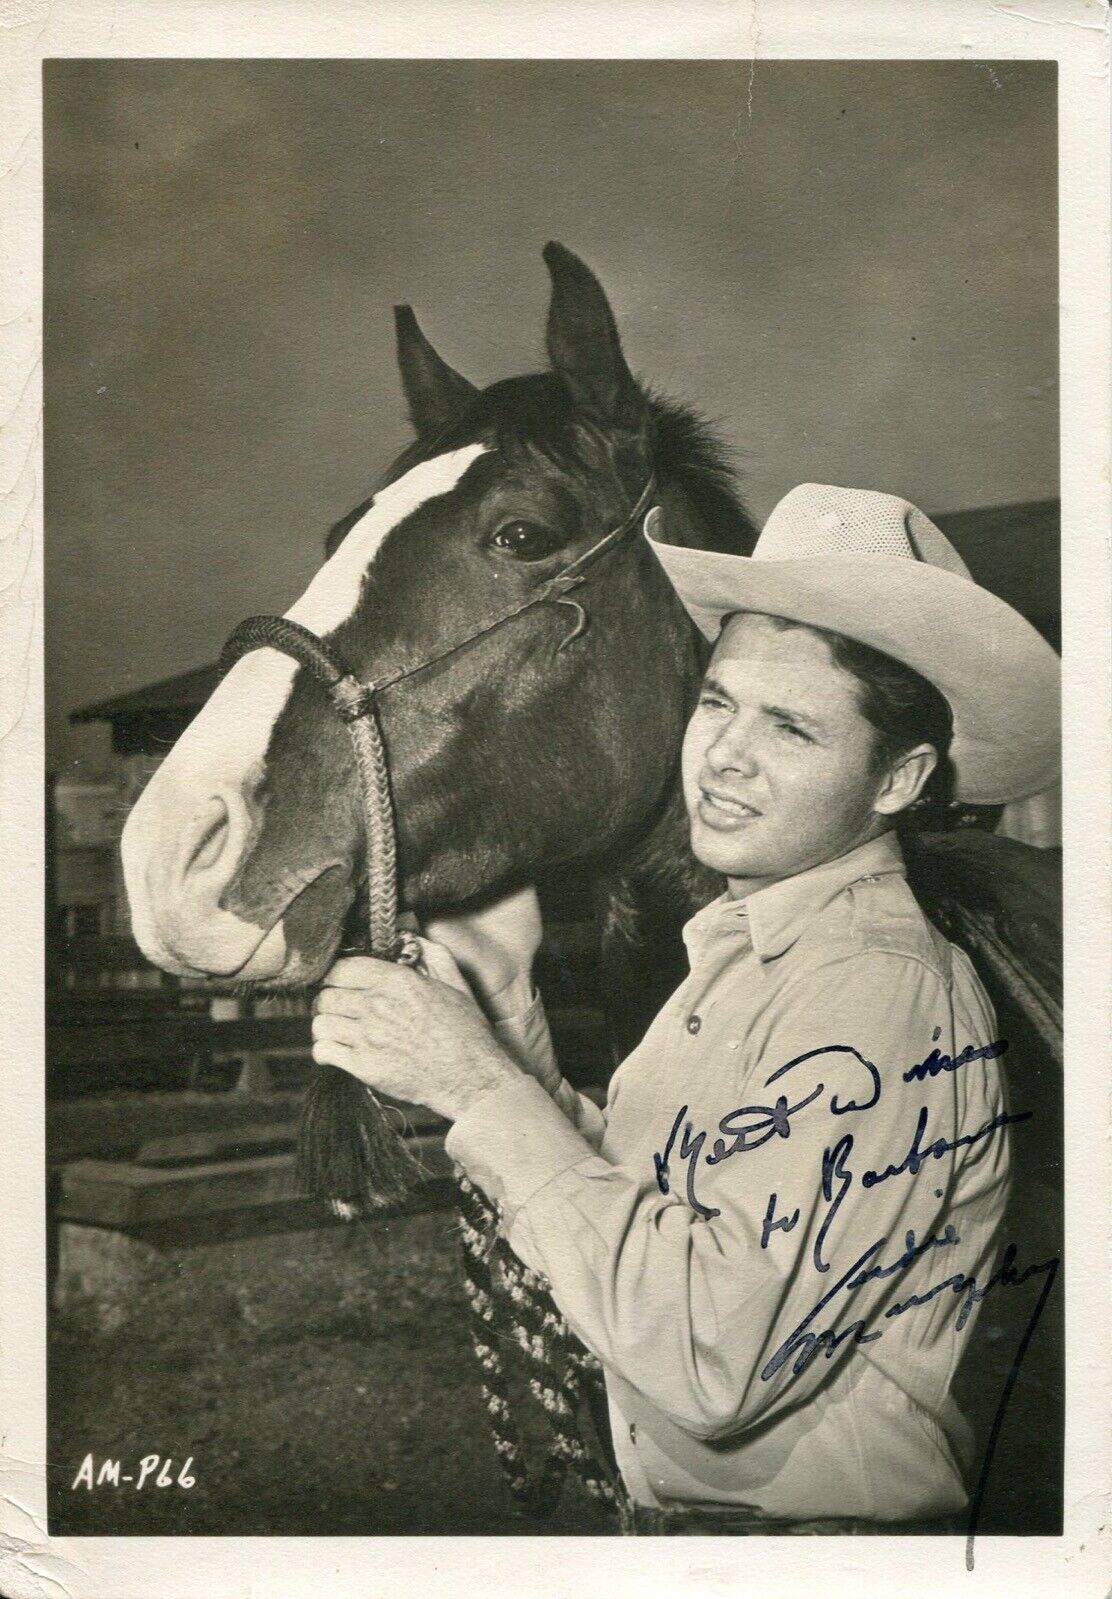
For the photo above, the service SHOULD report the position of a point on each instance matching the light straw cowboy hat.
(873, 567)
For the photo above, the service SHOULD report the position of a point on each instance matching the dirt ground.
(322, 1381)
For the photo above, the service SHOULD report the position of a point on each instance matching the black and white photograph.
(556, 1009)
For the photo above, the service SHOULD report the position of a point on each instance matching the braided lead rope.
(563, 1366)
(476, 1220)
(383, 1166)
(357, 709)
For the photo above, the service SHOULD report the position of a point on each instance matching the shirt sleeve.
(526, 1038)
(722, 1315)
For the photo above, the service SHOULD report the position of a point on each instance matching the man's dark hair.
(901, 707)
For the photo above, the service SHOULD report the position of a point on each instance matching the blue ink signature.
(751, 1126)
(916, 1155)
(937, 1062)
(809, 1343)
(768, 1121)
(835, 1168)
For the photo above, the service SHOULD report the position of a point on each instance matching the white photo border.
(1072, 32)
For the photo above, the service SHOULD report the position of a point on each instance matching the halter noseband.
(355, 704)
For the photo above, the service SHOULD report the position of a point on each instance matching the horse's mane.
(689, 452)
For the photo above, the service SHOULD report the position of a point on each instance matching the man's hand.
(494, 947)
(407, 1035)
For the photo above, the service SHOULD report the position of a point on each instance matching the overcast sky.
(855, 276)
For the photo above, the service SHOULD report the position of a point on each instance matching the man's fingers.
(441, 964)
(336, 1029)
(338, 1002)
(357, 971)
(330, 1052)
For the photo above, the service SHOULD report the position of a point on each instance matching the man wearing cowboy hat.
(777, 1234)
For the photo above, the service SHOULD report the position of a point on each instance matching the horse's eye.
(528, 541)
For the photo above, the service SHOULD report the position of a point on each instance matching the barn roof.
(1014, 551)
(188, 691)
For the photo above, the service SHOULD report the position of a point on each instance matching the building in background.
(86, 831)
(87, 889)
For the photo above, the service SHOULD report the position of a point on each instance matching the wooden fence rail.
(169, 1038)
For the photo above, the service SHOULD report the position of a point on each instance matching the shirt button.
(694, 1023)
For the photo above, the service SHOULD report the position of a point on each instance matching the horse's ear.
(583, 343)
(434, 391)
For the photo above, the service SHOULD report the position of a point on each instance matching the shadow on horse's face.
(507, 757)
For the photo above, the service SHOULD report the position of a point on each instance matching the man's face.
(779, 770)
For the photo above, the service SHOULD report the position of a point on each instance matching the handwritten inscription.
(821, 1332)
(750, 1126)
(937, 1062)
(938, 1147)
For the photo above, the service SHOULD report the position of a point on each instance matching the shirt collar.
(777, 915)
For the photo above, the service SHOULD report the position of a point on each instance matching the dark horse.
(513, 757)
(549, 742)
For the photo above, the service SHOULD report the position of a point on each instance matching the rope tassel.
(349, 1150)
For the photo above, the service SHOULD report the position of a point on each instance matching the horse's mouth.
(317, 922)
(289, 945)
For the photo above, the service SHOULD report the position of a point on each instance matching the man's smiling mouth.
(721, 807)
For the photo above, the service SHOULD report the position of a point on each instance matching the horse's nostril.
(209, 844)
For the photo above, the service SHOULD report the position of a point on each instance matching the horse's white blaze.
(174, 909)
(334, 593)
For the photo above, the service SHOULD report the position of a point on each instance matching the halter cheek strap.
(354, 704)
(553, 592)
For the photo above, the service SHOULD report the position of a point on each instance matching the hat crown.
(820, 519)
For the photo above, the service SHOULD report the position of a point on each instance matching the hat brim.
(1000, 676)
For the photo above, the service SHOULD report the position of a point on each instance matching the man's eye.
(528, 541)
(712, 702)
(796, 731)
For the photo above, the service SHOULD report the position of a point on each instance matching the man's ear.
(906, 778)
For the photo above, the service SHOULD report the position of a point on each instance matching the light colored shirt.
(774, 1234)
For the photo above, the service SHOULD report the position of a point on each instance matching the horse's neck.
(658, 882)
(644, 901)
(660, 879)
